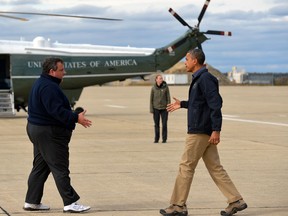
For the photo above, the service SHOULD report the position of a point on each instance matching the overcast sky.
(259, 27)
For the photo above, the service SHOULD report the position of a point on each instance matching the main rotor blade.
(214, 32)
(184, 23)
(14, 17)
(203, 12)
(61, 15)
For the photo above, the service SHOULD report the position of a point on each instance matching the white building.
(176, 79)
(237, 75)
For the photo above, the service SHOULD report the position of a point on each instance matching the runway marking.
(255, 121)
(230, 116)
(117, 106)
(5, 212)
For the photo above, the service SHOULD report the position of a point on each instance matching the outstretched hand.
(173, 106)
(84, 121)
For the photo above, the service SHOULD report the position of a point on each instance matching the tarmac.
(118, 170)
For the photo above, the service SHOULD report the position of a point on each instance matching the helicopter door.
(5, 82)
(6, 94)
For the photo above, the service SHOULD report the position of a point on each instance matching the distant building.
(176, 79)
(238, 76)
(261, 78)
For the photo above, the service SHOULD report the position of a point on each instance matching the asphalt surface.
(118, 170)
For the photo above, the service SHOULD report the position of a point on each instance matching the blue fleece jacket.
(204, 104)
(48, 105)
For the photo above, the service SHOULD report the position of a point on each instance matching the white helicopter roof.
(45, 47)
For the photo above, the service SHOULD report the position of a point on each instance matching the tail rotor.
(204, 8)
(183, 22)
(195, 31)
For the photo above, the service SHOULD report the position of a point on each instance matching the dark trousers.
(164, 118)
(51, 154)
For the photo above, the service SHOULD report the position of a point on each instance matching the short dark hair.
(50, 63)
(198, 54)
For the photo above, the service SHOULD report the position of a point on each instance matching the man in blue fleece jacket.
(50, 125)
(204, 125)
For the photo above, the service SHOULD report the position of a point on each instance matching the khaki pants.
(197, 146)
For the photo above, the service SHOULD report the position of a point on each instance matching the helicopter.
(87, 65)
